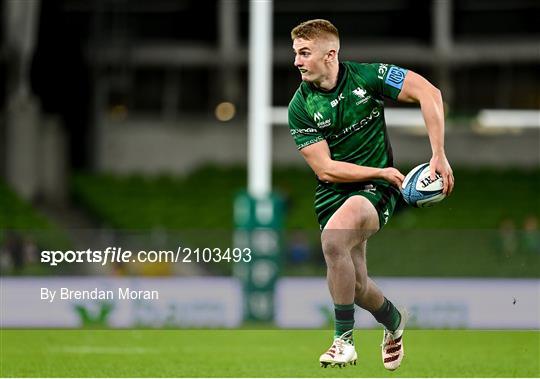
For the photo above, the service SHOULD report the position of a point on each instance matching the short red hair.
(313, 29)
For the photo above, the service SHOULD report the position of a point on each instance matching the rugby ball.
(419, 190)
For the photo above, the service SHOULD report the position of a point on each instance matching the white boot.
(392, 345)
(341, 353)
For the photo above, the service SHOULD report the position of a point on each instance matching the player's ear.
(331, 56)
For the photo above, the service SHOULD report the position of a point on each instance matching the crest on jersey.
(360, 92)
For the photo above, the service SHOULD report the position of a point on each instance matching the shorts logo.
(371, 191)
(395, 77)
(386, 216)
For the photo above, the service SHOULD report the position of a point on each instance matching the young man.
(336, 118)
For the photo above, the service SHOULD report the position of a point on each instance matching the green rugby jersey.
(350, 117)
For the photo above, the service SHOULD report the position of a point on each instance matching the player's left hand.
(439, 163)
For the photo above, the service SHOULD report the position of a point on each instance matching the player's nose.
(298, 61)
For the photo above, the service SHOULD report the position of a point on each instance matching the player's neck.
(330, 81)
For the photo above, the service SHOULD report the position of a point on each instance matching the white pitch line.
(101, 350)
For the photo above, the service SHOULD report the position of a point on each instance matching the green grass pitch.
(260, 353)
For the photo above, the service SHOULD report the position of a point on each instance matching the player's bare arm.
(318, 157)
(418, 90)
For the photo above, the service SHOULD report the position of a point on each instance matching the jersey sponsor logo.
(395, 77)
(324, 124)
(360, 93)
(303, 131)
(383, 67)
(336, 101)
(310, 142)
(375, 113)
(317, 117)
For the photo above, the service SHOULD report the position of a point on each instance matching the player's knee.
(333, 244)
(331, 248)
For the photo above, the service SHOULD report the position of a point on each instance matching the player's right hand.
(392, 175)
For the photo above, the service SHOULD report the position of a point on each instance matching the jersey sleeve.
(301, 126)
(384, 79)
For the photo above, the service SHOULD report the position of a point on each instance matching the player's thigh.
(356, 213)
(354, 222)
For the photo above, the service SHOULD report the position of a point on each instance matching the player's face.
(309, 58)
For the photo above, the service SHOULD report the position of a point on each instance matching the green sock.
(388, 315)
(344, 320)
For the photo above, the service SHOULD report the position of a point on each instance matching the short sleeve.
(385, 79)
(301, 127)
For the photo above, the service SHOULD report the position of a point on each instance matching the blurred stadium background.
(125, 123)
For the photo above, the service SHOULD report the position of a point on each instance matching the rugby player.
(336, 118)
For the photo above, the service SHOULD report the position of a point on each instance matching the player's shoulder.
(362, 68)
(300, 95)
